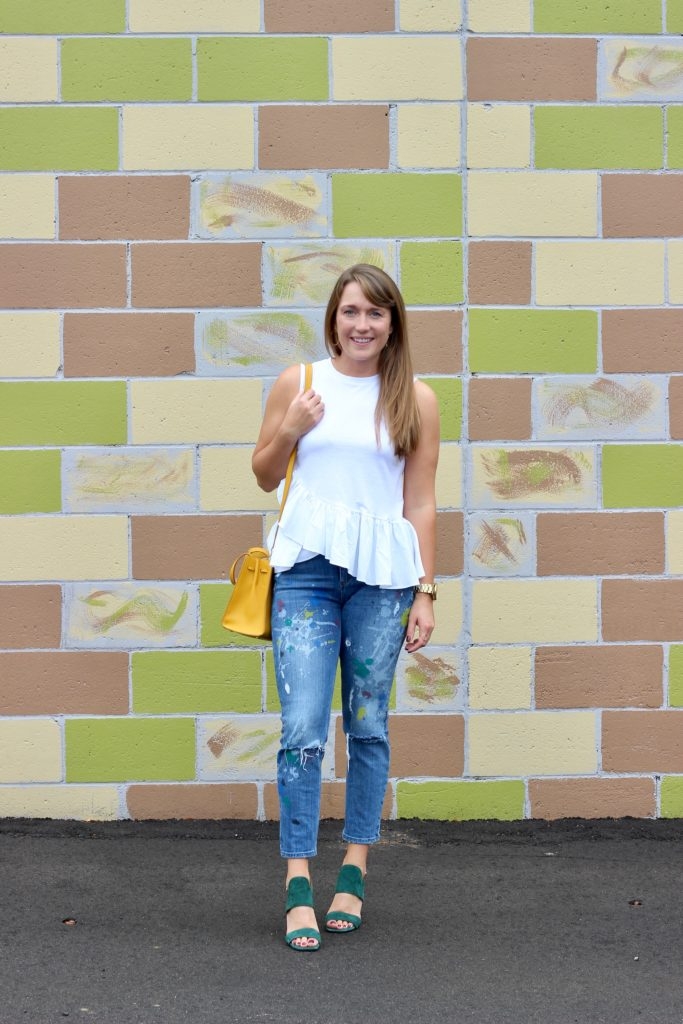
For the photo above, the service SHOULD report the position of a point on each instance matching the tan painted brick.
(29, 69)
(533, 203)
(676, 407)
(492, 16)
(599, 273)
(227, 483)
(499, 408)
(403, 68)
(674, 542)
(499, 273)
(449, 543)
(535, 69)
(30, 617)
(599, 677)
(499, 677)
(124, 206)
(435, 340)
(29, 344)
(190, 547)
(27, 205)
(421, 745)
(449, 477)
(449, 614)
(30, 750)
(642, 205)
(196, 274)
(642, 610)
(428, 135)
(197, 16)
(350, 136)
(53, 275)
(623, 331)
(541, 611)
(185, 411)
(532, 743)
(430, 15)
(675, 251)
(186, 137)
(642, 741)
(311, 16)
(332, 801)
(64, 548)
(203, 801)
(592, 798)
(600, 543)
(498, 135)
(64, 683)
(128, 344)
(80, 803)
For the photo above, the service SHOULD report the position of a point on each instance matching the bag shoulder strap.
(308, 378)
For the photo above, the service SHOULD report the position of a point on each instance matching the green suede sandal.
(350, 880)
(300, 894)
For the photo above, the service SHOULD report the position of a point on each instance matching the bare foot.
(347, 904)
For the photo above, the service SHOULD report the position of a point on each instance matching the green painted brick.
(642, 475)
(173, 682)
(57, 17)
(431, 273)
(59, 139)
(126, 69)
(533, 341)
(674, 126)
(605, 16)
(608, 137)
(213, 597)
(396, 205)
(676, 676)
(672, 797)
(30, 482)
(136, 749)
(63, 412)
(674, 16)
(253, 70)
(448, 391)
(461, 801)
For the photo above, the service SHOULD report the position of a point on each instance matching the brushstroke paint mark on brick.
(130, 616)
(242, 748)
(501, 544)
(148, 479)
(431, 680)
(637, 69)
(544, 476)
(304, 275)
(602, 407)
(261, 343)
(261, 206)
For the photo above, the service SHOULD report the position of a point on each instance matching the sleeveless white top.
(346, 497)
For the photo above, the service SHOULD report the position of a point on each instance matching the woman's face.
(363, 330)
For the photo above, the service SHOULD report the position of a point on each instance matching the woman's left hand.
(420, 623)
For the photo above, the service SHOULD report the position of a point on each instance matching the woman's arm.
(289, 414)
(419, 508)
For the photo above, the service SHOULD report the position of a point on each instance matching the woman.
(354, 563)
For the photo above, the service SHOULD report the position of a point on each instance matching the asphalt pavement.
(493, 923)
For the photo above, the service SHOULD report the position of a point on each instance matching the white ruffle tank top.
(346, 497)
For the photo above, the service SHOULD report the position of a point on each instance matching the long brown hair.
(396, 404)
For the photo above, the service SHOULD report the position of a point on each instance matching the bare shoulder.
(426, 399)
(287, 384)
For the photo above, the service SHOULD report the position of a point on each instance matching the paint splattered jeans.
(323, 617)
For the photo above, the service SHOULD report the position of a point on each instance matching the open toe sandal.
(350, 880)
(300, 894)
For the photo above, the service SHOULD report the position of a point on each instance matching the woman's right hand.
(305, 412)
(290, 413)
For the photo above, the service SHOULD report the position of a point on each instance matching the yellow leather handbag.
(249, 604)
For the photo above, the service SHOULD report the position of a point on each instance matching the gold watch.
(427, 588)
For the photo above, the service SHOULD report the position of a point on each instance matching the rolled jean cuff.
(360, 842)
(299, 856)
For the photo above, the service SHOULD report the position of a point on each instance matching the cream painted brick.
(403, 68)
(82, 803)
(29, 69)
(227, 483)
(27, 206)
(601, 273)
(187, 411)
(499, 16)
(675, 271)
(449, 477)
(430, 15)
(429, 135)
(448, 613)
(194, 15)
(534, 611)
(498, 135)
(29, 344)
(499, 677)
(530, 203)
(188, 137)
(533, 743)
(64, 548)
(30, 750)
(674, 543)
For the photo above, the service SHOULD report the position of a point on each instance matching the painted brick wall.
(180, 182)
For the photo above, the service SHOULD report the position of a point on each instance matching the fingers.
(418, 634)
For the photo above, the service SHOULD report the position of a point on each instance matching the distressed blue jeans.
(323, 617)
